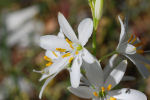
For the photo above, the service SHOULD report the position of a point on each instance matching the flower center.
(103, 92)
(79, 47)
(132, 41)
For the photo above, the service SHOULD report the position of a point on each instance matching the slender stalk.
(94, 42)
(94, 36)
(108, 55)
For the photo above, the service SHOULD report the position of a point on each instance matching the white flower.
(15, 19)
(22, 23)
(99, 88)
(98, 9)
(131, 47)
(61, 52)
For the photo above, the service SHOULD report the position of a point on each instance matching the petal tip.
(125, 61)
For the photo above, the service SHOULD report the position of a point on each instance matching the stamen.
(61, 50)
(66, 55)
(109, 87)
(48, 64)
(95, 94)
(130, 38)
(103, 89)
(138, 44)
(37, 71)
(47, 58)
(70, 60)
(140, 51)
(54, 54)
(112, 98)
(133, 40)
(77, 52)
(70, 43)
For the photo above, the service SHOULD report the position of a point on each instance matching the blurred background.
(22, 22)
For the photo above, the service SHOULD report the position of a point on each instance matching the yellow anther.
(48, 59)
(138, 44)
(109, 87)
(66, 55)
(77, 52)
(95, 94)
(70, 43)
(54, 54)
(61, 50)
(133, 40)
(112, 98)
(130, 38)
(140, 51)
(103, 89)
(70, 60)
(48, 64)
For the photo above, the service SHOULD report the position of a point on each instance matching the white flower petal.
(52, 54)
(55, 67)
(98, 8)
(87, 56)
(128, 94)
(85, 29)
(75, 72)
(45, 84)
(51, 42)
(84, 81)
(113, 61)
(44, 76)
(141, 68)
(96, 99)
(116, 75)
(81, 91)
(58, 65)
(130, 49)
(141, 58)
(122, 34)
(60, 34)
(94, 73)
(18, 18)
(66, 28)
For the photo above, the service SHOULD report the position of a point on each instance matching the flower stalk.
(96, 8)
(108, 55)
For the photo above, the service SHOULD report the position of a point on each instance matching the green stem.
(94, 42)
(95, 24)
(108, 55)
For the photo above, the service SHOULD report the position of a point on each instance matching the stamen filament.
(70, 60)
(54, 54)
(109, 87)
(70, 43)
(76, 52)
(138, 44)
(130, 38)
(140, 51)
(47, 58)
(133, 40)
(61, 50)
(112, 98)
(66, 55)
(95, 94)
(103, 89)
(48, 64)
